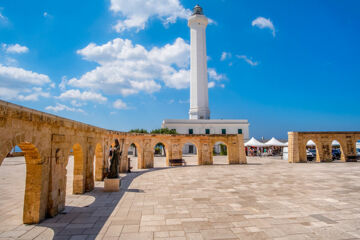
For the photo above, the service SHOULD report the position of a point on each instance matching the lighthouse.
(199, 121)
(199, 99)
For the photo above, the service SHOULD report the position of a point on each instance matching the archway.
(75, 165)
(133, 156)
(311, 151)
(190, 153)
(22, 165)
(220, 153)
(99, 164)
(160, 155)
(336, 151)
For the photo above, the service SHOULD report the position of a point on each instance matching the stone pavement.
(266, 199)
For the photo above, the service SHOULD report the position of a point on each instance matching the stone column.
(99, 162)
(242, 154)
(323, 153)
(293, 148)
(90, 155)
(124, 166)
(57, 175)
(206, 154)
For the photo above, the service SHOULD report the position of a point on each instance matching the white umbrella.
(310, 143)
(335, 143)
(254, 143)
(276, 143)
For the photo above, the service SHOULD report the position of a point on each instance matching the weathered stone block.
(111, 184)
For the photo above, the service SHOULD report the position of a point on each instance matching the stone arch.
(139, 152)
(221, 141)
(197, 145)
(342, 153)
(79, 169)
(303, 152)
(167, 150)
(99, 162)
(35, 194)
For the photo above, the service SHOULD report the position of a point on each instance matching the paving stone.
(266, 199)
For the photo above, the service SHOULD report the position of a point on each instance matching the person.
(114, 162)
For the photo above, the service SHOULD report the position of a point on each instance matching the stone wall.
(47, 141)
(323, 141)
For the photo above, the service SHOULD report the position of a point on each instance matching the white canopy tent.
(310, 143)
(335, 143)
(254, 143)
(358, 145)
(273, 142)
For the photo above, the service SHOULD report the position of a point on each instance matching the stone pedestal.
(111, 184)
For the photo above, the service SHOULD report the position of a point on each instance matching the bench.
(177, 162)
(351, 158)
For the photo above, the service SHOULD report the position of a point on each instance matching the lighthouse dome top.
(198, 10)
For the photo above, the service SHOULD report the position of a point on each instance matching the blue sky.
(283, 65)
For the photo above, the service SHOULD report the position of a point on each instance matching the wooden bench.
(177, 162)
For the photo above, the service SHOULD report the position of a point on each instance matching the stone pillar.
(37, 183)
(168, 154)
(242, 154)
(349, 149)
(90, 156)
(57, 175)
(79, 169)
(233, 150)
(176, 151)
(293, 148)
(124, 156)
(148, 154)
(323, 152)
(99, 162)
(205, 153)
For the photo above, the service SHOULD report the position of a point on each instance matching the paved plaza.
(266, 199)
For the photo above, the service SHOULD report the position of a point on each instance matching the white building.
(199, 114)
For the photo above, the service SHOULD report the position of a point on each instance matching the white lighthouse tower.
(199, 114)
(199, 99)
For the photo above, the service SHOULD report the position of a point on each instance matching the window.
(191, 131)
(239, 131)
(207, 131)
(223, 131)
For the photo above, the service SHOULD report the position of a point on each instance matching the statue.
(115, 160)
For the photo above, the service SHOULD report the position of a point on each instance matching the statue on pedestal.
(115, 160)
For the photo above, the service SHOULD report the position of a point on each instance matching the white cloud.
(3, 19)
(262, 23)
(76, 103)
(14, 48)
(21, 84)
(135, 13)
(213, 75)
(225, 55)
(75, 94)
(248, 60)
(19, 75)
(119, 104)
(60, 107)
(33, 94)
(211, 84)
(127, 69)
